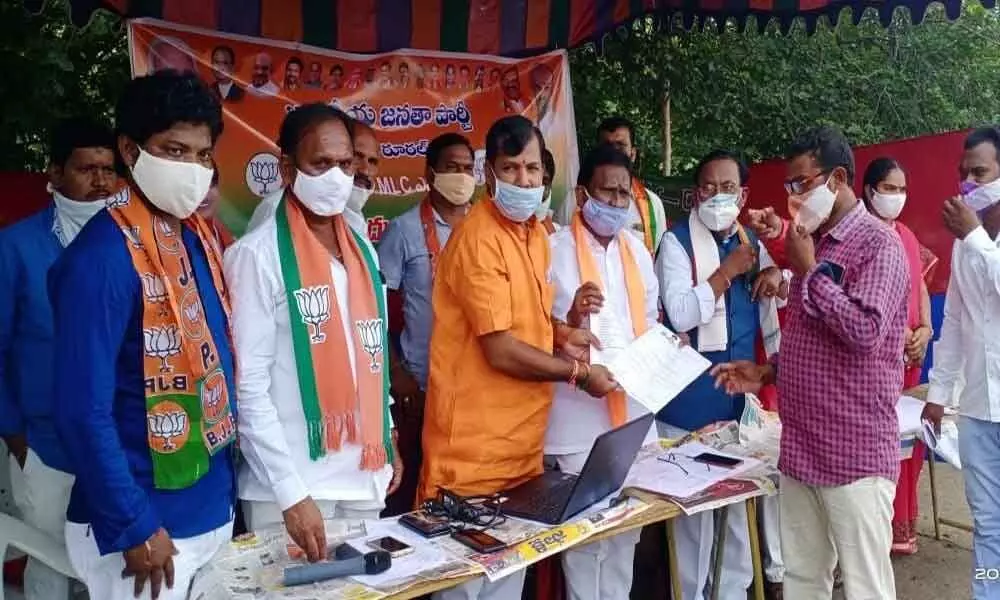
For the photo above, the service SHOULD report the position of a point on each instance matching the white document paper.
(425, 554)
(944, 444)
(654, 368)
(908, 411)
(675, 473)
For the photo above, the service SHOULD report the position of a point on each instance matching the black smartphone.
(480, 541)
(717, 460)
(394, 547)
(425, 525)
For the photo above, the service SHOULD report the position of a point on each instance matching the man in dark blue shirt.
(144, 398)
(81, 179)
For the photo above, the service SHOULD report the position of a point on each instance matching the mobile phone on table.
(480, 541)
(389, 544)
(426, 525)
(717, 460)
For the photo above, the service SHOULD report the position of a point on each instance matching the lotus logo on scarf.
(370, 331)
(314, 306)
(162, 342)
(117, 200)
(168, 427)
(132, 235)
(153, 287)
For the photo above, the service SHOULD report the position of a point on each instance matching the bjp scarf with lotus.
(188, 413)
(339, 402)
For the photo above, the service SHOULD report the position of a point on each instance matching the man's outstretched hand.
(742, 376)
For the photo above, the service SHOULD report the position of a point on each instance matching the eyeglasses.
(710, 189)
(799, 186)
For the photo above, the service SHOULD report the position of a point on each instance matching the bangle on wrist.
(574, 373)
(581, 381)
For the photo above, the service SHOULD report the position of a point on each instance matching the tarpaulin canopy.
(504, 27)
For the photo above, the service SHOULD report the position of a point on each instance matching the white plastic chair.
(34, 543)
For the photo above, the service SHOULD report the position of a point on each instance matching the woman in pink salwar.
(885, 196)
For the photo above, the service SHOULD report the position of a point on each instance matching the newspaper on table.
(552, 540)
(252, 567)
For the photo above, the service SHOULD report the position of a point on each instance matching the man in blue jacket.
(716, 282)
(144, 372)
(81, 179)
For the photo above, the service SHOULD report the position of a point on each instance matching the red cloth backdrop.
(931, 165)
(24, 194)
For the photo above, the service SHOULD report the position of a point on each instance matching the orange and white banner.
(409, 97)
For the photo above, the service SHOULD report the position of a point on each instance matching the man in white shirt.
(315, 433)
(603, 280)
(366, 163)
(260, 77)
(967, 355)
(716, 283)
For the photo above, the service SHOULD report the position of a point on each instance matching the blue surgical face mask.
(517, 203)
(605, 220)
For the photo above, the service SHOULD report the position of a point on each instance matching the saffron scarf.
(188, 413)
(337, 404)
(645, 207)
(634, 287)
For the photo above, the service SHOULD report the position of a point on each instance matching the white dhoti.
(600, 570)
(103, 574)
(694, 538)
(41, 495)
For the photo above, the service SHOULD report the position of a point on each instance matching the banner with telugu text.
(409, 97)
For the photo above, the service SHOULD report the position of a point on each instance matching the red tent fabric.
(25, 194)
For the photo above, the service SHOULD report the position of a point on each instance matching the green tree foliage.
(752, 92)
(49, 69)
(743, 90)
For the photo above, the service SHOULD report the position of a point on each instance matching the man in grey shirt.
(408, 253)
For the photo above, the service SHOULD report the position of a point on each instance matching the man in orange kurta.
(491, 355)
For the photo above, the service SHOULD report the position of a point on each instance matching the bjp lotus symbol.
(314, 306)
(153, 287)
(370, 331)
(162, 342)
(168, 425)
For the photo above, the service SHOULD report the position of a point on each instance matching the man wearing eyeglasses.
(718, 285)
(839, 376)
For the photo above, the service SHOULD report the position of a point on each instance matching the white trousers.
(41, 495)
(601, 570)
(508, 588)
(262, 515)
(769, 521)
(851, 522)
(103, 574)
(694, 538)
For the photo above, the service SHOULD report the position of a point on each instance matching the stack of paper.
(675, 473)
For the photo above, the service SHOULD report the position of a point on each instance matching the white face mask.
(71, 215)
(177, 188)
(983, 196)
(326, 194)
(358, 199)
(719, 212)
(816, 207)
(888, 206)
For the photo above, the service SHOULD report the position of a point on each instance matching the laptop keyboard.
(546, 499)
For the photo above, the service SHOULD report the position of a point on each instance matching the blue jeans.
(979, 447)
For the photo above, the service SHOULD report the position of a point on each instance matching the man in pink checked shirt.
(839, 377)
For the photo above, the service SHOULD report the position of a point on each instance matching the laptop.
(554, 497)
